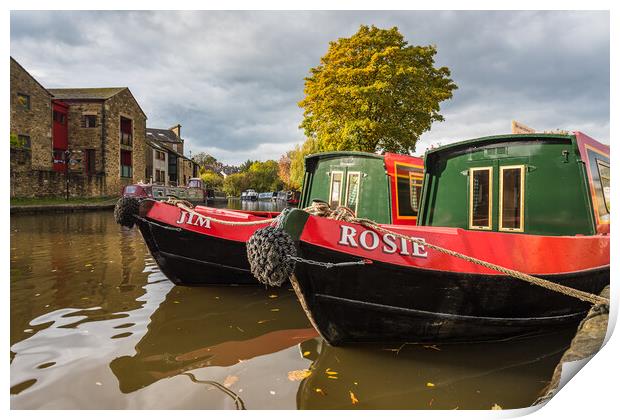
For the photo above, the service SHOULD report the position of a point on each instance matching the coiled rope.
(322, 209)
(187, 206)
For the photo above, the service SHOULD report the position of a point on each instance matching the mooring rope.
(322, 209)
(187, 206)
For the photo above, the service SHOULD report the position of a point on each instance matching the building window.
(353, 190)
(23, 100)
(23, 141)
(480, 198)
(160, 176)
(126, 167)
(511, 196)
(335, 189)
(89, 121)
(90, 162)
(160, 155)
(126, 131)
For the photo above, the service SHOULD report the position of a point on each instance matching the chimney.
(176, 130)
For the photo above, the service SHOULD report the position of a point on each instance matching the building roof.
(163, 146)
(31, 76)
(86, 93)
(160, 134)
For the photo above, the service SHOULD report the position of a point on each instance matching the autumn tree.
(374, 92)
(204, 160)
(212, 179)
(236, 183)
(298, 155)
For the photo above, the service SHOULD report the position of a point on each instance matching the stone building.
(31, 123)
(100, 132)
(180, 168)
(108, 129)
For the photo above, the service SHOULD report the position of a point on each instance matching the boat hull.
(383, 302)
(430, 298)
(192, 254)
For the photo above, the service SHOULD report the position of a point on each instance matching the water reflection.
(215, 326)
(474, 376)
(259, 205)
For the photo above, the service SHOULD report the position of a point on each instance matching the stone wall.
(82, 137)
(35, 122)
(124, 105)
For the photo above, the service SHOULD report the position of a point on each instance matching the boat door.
(496, 196)
(344, 187)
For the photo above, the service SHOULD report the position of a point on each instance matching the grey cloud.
(233, 79)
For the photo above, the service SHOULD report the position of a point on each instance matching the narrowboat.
(535, 203)
(191, 248)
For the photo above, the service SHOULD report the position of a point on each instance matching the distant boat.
(265, 196)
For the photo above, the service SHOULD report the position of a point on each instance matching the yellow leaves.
(430, 385)
(320, 391)
(306, 353)
(298, 375)
(230, 381)
(496, 407)
(330, 372)
(354, 399)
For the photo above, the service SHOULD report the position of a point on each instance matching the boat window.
(511, 196)
(408, 190)
(480, 198)
(335, 189)
(353, 188)
(603, 173)
(415, 187)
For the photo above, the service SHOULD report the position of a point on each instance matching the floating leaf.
(275, 310)
(320, 391)
(230, 381)
(354, 399)
(273, 296)
(298, 375)
(496, 407)
(262, 321)
(332, 377)
(306, 353)
(330, 372)
(430, 384)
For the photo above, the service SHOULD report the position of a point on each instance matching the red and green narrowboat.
(536, 203)
(192, 248)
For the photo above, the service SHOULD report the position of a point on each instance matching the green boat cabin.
(543, 184)
(385, 188)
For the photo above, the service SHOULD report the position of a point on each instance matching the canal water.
(95, 324)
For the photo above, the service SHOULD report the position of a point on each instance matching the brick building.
(166, 145)
(101, 130)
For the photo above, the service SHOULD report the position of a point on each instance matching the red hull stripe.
(530, 254)
(176, 217)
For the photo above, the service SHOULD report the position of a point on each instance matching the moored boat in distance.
(536, 203)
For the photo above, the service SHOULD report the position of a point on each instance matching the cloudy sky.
(233, 79)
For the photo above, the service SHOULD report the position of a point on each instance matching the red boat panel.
(177, 217)
(531, 254)
(586, 143)
(405, 166)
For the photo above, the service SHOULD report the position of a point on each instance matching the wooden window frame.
(413, 177)
(357, 196)
(331, 186)
(521, 199)
(86, 117)
(489, 169)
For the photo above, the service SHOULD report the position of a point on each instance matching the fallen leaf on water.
(430, 403)
(430, 384)
(273, 296)
(230, 381)
(496, 407)
(88, 265)
(176, 301)
(320, 391)
(275, 310)
(330, 372)
(354, 399)
(298, 375)
(332, 377)
(240, 329)
(306, 353)
(262, 321)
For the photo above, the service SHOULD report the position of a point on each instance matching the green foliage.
(16, 143)
(211, 179)
(374, 92)
(236, 183)
(245, 166)
(298, 155)
(204, 160)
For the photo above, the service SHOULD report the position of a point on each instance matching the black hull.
(383, 302)
(192, 259)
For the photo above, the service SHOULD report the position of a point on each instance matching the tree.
(205, 160)
(374, 92)
(264, 176)
(211, 179)
(245, 166)
(236, 183)
(298, 155)
(284, 168)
